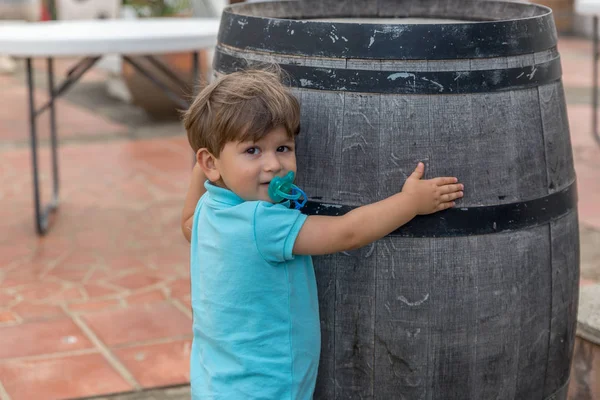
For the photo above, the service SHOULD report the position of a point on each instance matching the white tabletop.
(99, 37)
(587, 6)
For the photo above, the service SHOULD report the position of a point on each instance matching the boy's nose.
(272, 163)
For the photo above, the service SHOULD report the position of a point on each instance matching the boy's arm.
(366, 224)
(195, 191)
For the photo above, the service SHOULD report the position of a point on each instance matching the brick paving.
(101, 305)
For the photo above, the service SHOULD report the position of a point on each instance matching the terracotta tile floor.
(101, 304)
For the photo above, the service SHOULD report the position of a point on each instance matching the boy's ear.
(207, 163)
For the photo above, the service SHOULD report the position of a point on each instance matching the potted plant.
(159, 8)
(144, 93)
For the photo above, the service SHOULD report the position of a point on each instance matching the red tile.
(180, 288)
(125, 262)
(66, 295)
(580, 122)
(20, 276)
(153, 296)
(7, 316)
(40, 290)
(52, 247)
(139, 323)
(588, 188)
(98, 290)
(99, 275)
(10, 253)
(94, 239)
(80, 259)
(31, 311)
(93, 306)
(173, 259)
(586, 282)
(60, 378)
(170, 363)
(41, 337)
(187, 301)
(7, 300)
(137, 280)
(72, 120)
(69, 274)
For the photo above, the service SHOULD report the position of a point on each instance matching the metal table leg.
(42, 214)
(595, 81)
(53, 136)
(195, 73)
(195, 88)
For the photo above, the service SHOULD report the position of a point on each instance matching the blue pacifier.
(281, 189)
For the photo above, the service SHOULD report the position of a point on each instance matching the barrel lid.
(588, 317)
(491, 28)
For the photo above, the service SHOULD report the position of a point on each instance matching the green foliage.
(158, 8)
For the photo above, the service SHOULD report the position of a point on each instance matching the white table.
(91, 40)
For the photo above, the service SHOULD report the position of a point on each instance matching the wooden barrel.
(585, 372)
(476, 302)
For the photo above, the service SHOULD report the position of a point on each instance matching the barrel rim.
(334, 39)
(233, 7)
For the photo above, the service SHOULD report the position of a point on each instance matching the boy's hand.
(431, 195)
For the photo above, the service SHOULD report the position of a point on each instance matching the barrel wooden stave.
(559, 154)
(565, 295)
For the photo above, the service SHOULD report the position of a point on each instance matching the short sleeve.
(276, 228)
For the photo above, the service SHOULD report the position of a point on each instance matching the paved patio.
(101, 305)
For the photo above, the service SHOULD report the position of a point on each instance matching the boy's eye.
(283, 149)
(253, 150)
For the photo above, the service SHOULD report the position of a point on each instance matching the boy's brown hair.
(241, 106)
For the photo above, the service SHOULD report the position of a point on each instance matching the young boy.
(254, 298)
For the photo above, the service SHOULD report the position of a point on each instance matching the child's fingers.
(451, 196)
(451, 188)
(446, 180)
(418, 172)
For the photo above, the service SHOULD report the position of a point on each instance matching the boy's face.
(247, 168)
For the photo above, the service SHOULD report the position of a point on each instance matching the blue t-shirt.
(256, 315)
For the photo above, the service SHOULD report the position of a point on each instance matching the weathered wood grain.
(565, 295)
(354, 323)
(453, 321)
(326, 270)
(403, 311)
(559, 154)
(535, 288)
(404, 140)
(319, 144)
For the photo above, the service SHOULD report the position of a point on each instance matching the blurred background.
(101, 304)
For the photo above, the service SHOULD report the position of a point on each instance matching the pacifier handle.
(283, 189)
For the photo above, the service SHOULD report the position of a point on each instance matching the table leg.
(195, 73)
(41, 215)
(595, 81)
(195, 88)
(53, 136)
(40, 225)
